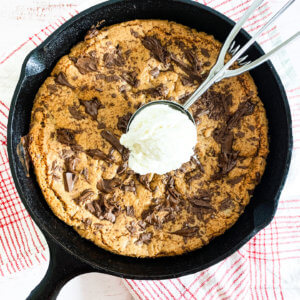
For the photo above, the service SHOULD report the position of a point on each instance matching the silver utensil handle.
(216, 74)
(233, 33)
(259, 61)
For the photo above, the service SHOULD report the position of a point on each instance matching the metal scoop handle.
(220, 69)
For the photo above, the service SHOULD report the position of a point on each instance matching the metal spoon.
(220, 69)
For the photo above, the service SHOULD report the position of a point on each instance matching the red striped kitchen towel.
(268, 267)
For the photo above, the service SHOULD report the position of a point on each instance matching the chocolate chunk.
(235, 180)
(62, 80)
(142, 224)
(97, 226)
(251, 127)
(109, 78)
(109, 216)
(186, 81)
(128, 188)
(122, 168)
(144, 238)
(52, 88)
(244, 109)
(159, 91)
(207, 64)
(71, 163)
(101, 125)
(182, 99)
(114, 141)
(55, 170)
(87, 222)
(218, 104)
(193, 71)
(98, 154)
(114, 59)
(205, 52)
(157, 50)
(98, 89)
(187, 231)
(131, 78)
(113, 95)
(199, 202)
(92, 106)
(134, 33)
(86, 64)
(23, 153)
(93, 31)
(154, 72)
(85, 196)
(123, 121)
(70, 180)
(240, 134)
(108, 185)
(66, 153)
(83, 87)
(145, 180)
(225, 204)
(131, 227)
(75, 113)
(196, 161)
(85, 173)
(66, 136)
(130, 211)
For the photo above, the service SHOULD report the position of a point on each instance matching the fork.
(221, 69)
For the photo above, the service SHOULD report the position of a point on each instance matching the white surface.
(39, 13)
(153, 135)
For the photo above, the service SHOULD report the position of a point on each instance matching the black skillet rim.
(83, 259)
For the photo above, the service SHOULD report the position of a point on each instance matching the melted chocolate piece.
(159, 91)
(154, 72)
(123, 121)
(85, 173)
(86, 64)
(144, 238)
(111, 138)
(98, 154)
(92, 107)
(235, 180)
(145, 181)
(131, 78)
(62, 80)
(154, 45)
(244, 109)
(52, 88)
(93, 31)
(108, 185)
(131, 227)
(70, 180)
(134, 33)
(85, 196)
(122, 168)
(205, 52)
(187, 231)
(225, 204)
(66, 136)
(114, 59)
(130, 211)
(71, 163)
(75, 113)
(23, 153)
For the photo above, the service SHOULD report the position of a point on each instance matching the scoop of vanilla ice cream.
(160, 139)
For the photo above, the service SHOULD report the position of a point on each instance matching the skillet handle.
(63, 266)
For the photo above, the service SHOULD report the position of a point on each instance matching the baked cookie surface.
(82, 109)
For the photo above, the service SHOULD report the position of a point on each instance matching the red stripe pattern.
(262, 269)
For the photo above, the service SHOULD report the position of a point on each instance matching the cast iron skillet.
(70, 254)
